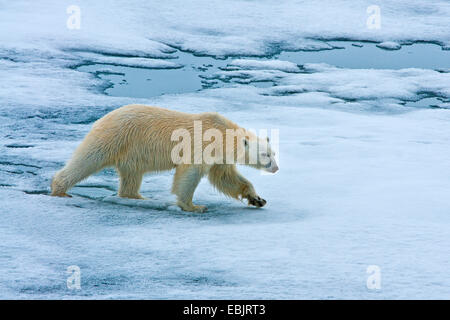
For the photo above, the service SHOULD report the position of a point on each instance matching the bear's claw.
(257, 201)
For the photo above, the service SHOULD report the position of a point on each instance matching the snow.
(220, 28)
(285, 66)
(391, 88)
(129, 61)
(363, 177)
(389, 45)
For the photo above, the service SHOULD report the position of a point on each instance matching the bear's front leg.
(228, 180)
(248, 192)
(186, 179)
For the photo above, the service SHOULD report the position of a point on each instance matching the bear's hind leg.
(77, 169)
(130, 183)
(186, 179)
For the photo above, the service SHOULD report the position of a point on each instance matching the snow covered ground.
(364, 171)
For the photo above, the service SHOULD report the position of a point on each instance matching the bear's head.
(259, 154)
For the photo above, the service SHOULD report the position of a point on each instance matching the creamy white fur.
(136, 139)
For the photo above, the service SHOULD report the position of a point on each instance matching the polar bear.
(136, 139)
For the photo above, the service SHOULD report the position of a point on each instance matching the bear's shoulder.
(218, 120)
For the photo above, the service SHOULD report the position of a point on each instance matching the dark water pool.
(357, 55)
(144, 82)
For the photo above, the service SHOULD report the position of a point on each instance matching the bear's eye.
(264, 154)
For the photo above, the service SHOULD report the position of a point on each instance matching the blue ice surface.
(355, 189)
